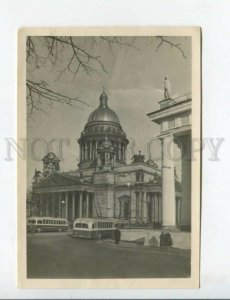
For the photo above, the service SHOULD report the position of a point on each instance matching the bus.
(97, 228)
(40, 224)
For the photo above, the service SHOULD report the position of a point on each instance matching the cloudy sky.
(134, 85)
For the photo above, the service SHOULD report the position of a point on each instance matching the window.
(164, 125)
(78, 225)
(39, 221)
(171, 123)
(139, 176)
(185, 119)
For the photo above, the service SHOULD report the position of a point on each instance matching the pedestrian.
(165, 239)
(32, 229)
(117, 236)
(168, 239)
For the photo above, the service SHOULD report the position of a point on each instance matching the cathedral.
(103, 185)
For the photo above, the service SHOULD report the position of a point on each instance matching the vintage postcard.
(109, 169)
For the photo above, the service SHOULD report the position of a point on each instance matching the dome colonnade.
(103, 124)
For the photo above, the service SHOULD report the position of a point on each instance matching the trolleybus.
(97, 228)
(40, 224)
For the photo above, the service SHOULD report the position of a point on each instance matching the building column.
(86, 151)
(133, 207)
(124, 153)
(87, 205)
(145, 215)
(83, 151)
(137, 206)
(59, 205)
(73, 205)
(96, 145)
(40, 206)
(186, 183)
(66, 206)
(156, 208)
(53, 204)
(168, 183)
(121, 152)
(80, 205)
(141, 207)
(47, 205)
(80, 151)
(89, 149)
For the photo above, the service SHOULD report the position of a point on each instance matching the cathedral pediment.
(56, 180)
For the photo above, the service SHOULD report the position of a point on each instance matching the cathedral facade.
(103, 185)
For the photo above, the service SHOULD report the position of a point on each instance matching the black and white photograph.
(111, 192)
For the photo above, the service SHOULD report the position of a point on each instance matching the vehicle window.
(83, 225)
(39, 221)
(31, 221)
(78, 225)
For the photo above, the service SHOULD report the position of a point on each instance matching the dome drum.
(102, 124)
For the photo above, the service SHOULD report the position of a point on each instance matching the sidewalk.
(134, 246)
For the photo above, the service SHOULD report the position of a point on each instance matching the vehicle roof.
(49, 218)
(94, 220)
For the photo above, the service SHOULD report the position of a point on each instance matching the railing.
(171, 101)
(183, 97)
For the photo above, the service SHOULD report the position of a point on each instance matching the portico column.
(186, 183)
(87, 205)
(59, 205)
(168, 183)
(53, 204)
(156, 208)
(73, 205)
(86, 151)
(141, 207)
(66, 206)
(80, 205)
(133, 208)
(144, 208)
(47, 205)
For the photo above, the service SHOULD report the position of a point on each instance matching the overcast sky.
(134, 85)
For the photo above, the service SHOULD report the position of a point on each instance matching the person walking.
(117, 236)
(32, 229)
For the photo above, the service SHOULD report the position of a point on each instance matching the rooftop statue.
(167, 88)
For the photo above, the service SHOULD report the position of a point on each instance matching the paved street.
(58, 255)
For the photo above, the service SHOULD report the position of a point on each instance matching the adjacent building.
(175, 121)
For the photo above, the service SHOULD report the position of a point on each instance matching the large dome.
(102, 122)
(103, 112)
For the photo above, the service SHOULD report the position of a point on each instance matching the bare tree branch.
(37, 91)
(71, 55)
(166, 41)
